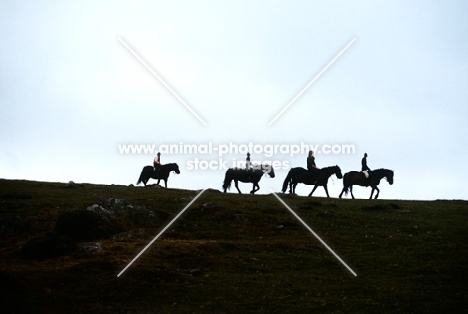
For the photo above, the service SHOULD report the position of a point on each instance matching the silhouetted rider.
(311, 162)
(157, 163)
(364, 163)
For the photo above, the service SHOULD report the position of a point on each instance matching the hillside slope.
(234, 253)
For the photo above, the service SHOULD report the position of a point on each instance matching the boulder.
(86, 226)
(114, 208)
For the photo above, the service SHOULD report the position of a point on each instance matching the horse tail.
(141, 178)
(287, 181)
(346, 184)
(346, 190)
(227, 180)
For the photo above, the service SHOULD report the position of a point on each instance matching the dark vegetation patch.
(11, 225)
(16, 196)
(381, 206)
(47, 246)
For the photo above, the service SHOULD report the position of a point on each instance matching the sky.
(72, 93)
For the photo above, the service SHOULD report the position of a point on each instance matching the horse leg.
(342, 191)
(237, 186)
(326, 190)
(258, 187)
(165, 183)
(378, 191)
(372, 192)
(255, 188)
(351, 190)
(312, 192)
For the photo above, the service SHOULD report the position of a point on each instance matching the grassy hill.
(237, 253)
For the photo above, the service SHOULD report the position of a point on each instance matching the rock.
(114, 208)
(142, 216)
(97, 247)
(132, 235)
(196, 272)
(101, 211)
(72, 184)
(185, 199)
(287, 225)
(85, 226)
(207, 206)
(47, 246)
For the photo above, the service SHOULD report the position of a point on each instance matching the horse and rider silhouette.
(365, 177)
(316, 177)
(359, 178)
(161, 173)
(312, 176)
(249, 175)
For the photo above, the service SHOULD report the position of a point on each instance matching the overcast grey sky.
(71, 92)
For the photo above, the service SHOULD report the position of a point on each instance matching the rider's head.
(365, 154)
(311, 153)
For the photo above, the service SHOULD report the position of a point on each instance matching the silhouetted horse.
(316, 177)
(252, 175)
(358, 178)
(148, 172)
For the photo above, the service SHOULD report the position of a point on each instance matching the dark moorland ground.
(231, 253)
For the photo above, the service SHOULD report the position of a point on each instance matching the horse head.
(338, 173)
(175, 167)
(269, 170)
(389, 176)
(383, 173)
